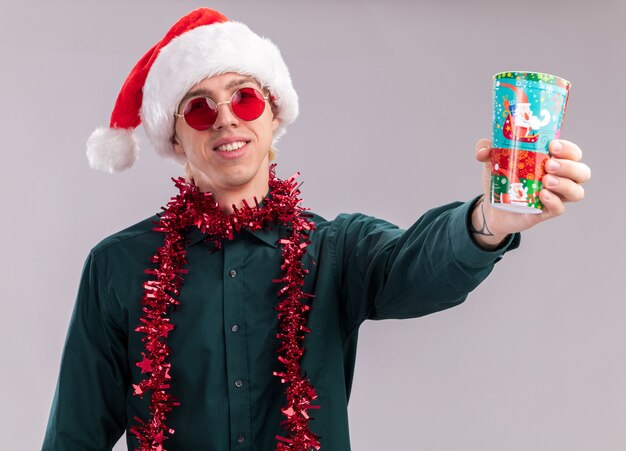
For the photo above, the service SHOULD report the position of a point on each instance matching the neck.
(226, 197)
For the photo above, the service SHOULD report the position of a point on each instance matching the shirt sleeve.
(88, 411)
(385, 272)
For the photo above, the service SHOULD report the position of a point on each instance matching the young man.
(232, 323)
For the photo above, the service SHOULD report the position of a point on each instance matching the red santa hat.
(201, 44)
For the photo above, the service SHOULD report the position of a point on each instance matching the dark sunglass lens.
(200, 113)
(248, 104)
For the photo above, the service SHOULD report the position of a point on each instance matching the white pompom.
(112, 149)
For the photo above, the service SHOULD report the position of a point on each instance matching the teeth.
(231, 146)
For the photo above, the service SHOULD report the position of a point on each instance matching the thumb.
(483, 150)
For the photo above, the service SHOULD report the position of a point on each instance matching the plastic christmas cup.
(528, 110)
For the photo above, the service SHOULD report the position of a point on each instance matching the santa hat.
(201, 44)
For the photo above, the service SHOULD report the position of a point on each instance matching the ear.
(178, 147)
(275, 120)
(275, 123)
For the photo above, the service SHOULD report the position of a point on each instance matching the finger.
(578, 172)
(565, 150)
(483, 150)
(552, 204)
(566, 189)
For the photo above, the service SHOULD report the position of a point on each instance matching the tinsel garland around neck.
(192, 208)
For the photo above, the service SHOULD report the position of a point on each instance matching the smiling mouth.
(231, 146)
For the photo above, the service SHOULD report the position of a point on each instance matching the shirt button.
(238, 383)
(240, 438)
(235, 328)
(232, 273)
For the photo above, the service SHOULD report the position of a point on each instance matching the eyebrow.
(203, 92)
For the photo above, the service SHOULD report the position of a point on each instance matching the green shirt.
(224, 344)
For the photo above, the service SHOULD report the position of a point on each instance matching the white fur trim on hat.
(204, 52)
(112, 149)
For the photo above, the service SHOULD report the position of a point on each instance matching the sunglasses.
(200, 113)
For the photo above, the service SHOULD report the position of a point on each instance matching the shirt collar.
(269, 235)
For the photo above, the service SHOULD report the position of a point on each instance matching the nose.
(225, 116)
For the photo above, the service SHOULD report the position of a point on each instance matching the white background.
(393, 97)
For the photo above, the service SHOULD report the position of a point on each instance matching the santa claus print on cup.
(528, 110)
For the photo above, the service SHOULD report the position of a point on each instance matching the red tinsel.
(192, 208)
